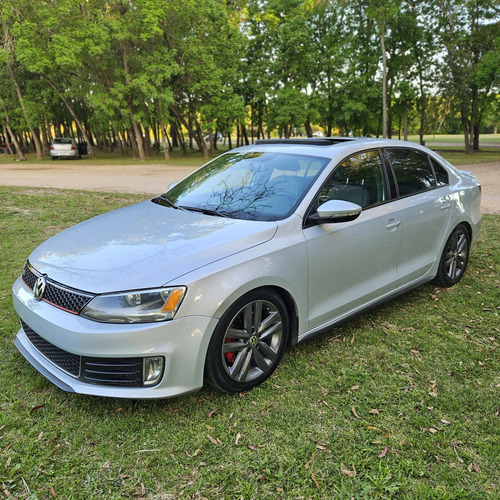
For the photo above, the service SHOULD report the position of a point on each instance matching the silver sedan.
(265, 246)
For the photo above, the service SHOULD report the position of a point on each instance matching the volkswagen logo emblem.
(39, 288)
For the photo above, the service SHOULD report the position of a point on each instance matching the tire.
(53, 158)
(454, 258)
(248, 342)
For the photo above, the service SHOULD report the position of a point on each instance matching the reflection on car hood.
(143, 246)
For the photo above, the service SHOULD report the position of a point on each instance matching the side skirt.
(364, 309)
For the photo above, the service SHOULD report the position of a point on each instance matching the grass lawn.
(401, 402)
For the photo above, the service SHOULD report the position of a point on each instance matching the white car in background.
(265, 246)
(64, 147)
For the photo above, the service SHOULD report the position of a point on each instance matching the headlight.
(140, 306)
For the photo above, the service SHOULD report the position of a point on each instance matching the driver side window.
(359, 179)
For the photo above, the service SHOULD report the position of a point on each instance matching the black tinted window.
(359, 179)
(441, 173)
(412, 169)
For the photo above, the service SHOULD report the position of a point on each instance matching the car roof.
(329, 147)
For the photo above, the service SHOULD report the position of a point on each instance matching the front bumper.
(182, 342)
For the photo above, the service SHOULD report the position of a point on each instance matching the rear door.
(426, 207)
(353, 263)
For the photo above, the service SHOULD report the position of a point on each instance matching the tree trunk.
(165, 140)
(244, 135)
(133, 143)
(384, 81)
(7, 140)
(307, 126)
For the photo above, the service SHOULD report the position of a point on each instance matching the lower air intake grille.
(70, 363)
(112, 371)
(99, 371)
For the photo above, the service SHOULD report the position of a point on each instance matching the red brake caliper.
(230, 356)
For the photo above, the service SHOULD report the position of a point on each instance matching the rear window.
(63, 140)
(412, 169)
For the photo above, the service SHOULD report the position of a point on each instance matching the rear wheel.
(454, 258)
(248, 343)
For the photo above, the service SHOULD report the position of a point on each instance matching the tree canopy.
(150, 75)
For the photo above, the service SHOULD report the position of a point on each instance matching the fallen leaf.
(196, 452)
(445, 422)
(354, 388)
(252, 447)
(354, 412)
(319, 447)
(347, 472)
(416, 352)
(238, 437)
(212, 439)
(433, 394)
(374, 411)
(352, 342)
(310, 460)
(211, 414)
(383, 452)
(209, 427)
(327, 405)
(373, 428)
(432, 430)
(53, 491)
(315, 482)
(473, 468)
(7, 463)
(35, 408)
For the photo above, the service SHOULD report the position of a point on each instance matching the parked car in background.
(64, 147)
(218, 136)
(265, 246)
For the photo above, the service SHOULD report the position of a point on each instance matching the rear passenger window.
(413, 170)
(441, 174)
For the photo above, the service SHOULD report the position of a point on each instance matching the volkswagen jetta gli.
(265, 246)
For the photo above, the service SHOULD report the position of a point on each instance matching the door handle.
(393, 224)
(445, 205)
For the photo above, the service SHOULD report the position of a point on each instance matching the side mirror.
(336, 211)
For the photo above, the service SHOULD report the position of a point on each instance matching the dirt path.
(152, 180)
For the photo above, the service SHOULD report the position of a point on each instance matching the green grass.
(398, 403)
(455, 139)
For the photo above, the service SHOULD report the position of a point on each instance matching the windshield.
(248, 185)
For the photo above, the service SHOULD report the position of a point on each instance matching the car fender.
(279, 263)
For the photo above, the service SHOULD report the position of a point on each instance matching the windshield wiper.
(206, 211)
(162, 200)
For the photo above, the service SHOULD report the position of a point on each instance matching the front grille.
(70, 363)
(99, 371)
(66, 298)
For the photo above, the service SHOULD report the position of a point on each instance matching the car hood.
(143, 246)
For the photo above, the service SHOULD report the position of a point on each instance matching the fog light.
(153, 370)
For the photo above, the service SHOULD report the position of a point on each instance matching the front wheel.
(248, 343)
(454, 258)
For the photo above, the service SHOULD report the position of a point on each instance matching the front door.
(352, 264)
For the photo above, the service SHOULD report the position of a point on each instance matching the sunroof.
(309, 141)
